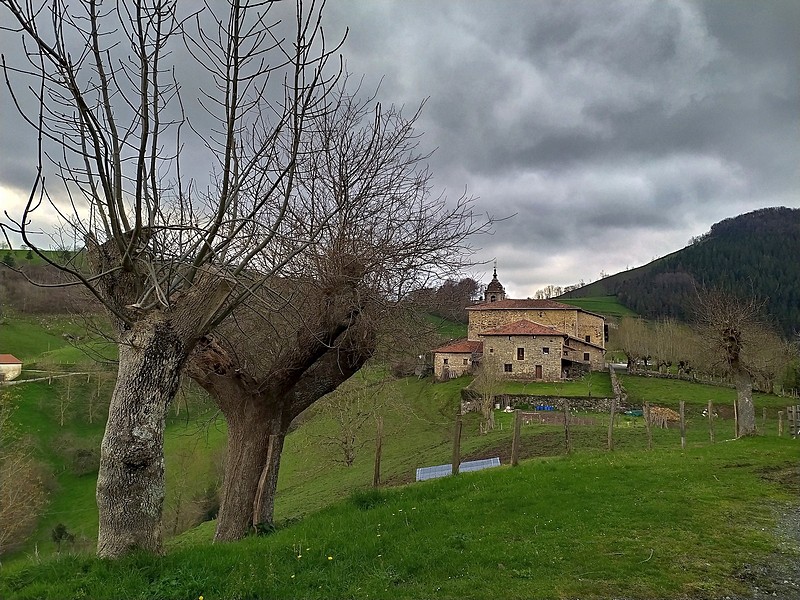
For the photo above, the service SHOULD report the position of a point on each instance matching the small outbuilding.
(10, 367)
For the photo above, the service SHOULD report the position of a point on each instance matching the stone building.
(10, 367)
(525, 339)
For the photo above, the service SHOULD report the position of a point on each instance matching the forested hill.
(755, 254)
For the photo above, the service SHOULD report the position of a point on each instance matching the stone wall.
(573, 322)
(470, 402)
(502, 350)
(596, 356)
(454, 367)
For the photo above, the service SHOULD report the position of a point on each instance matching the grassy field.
(418, 423)
(52, 341)
(449, 330)
(194, 432)
(597, 385)
(608, 306)
(665, 524)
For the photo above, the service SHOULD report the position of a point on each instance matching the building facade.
(525, 339)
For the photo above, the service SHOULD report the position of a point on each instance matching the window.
(493, 298)
(545, 350)
(520, 353)
(507, 367)
(586, 356)
(446, 360)
(566, 352)
(491, 350)
(466, 361)
(588, 338)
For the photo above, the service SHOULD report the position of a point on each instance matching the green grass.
(577, 526)
(669, 392)
(597, 385)
(21, 259)
(447, 329)
(666, 524)
(71, 497)
(608, 306)
(45, 341)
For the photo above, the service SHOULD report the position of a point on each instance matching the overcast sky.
(613, 131)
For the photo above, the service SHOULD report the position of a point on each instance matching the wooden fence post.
(611, 424)
(567, 439)
(515, 441)
(710, 421)
(764, 418)
(647, 425)
(780, 423)
(735, 420)
(791, 418)
(376, 476)
(683, 426)
(457, 445)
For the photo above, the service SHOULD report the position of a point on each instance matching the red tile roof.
(461, 347)
(523, 327)
(522, 305)
(9, 359)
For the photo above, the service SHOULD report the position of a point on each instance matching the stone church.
(534, 340)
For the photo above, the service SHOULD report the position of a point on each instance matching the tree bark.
(744, 402)
(247, 448)
(264, 502)
(130, 483)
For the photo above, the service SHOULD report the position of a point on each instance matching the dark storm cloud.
(613, 130)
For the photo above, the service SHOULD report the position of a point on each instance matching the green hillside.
(664, 524)
(527, 530)
(608, 306)
(755, 254)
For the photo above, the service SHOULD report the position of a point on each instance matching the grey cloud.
(616, 130)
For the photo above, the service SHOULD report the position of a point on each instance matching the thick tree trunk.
(264, 505)
(744, 403)
(248, 445)
(130, 484)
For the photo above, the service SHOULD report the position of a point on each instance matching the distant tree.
(488, 381)
(61, 535)
(22, 493)
(453, 297)
(732, 328)
(550, 291)
(9, 260)
(353, 409)
(633, 339)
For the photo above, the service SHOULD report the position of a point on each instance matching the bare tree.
(351, 409)
(168, 259)
(22, 493)
(388, 238)
(731, 328)
(488, 382)
(632, 338)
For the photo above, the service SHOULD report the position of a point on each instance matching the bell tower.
(495, 290)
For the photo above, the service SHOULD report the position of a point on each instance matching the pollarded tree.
(168, 259)
(732, 329)
(632, 337)
(488, 383)
(387, 238)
